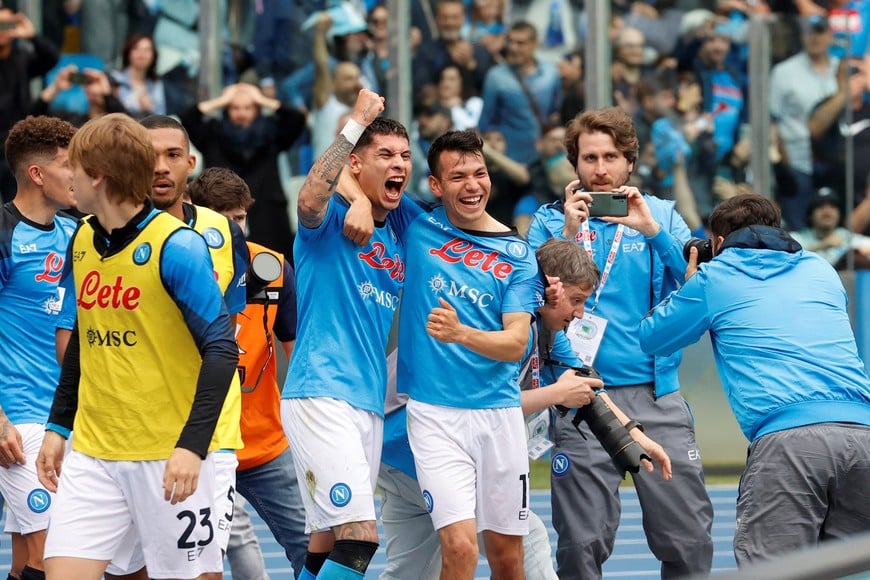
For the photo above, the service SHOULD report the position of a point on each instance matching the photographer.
(789, 364)
(640, 258)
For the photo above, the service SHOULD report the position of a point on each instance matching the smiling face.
(174, 164)
(572, 306)
(383, 168)
(600, 165)
(463, 187)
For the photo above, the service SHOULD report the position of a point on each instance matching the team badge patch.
(213, 238)
(430, 503)
(561, 464)
(517, 249)
(340, 494)
(142, 254)
(38, 501)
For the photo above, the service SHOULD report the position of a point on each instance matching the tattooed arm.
(323, 177)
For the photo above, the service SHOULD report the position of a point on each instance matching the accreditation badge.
(585, 335)
(537, 428)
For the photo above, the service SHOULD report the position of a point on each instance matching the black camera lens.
(705, 249)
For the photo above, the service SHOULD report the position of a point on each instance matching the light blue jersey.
(346, 297)
(483, 276)
(31, 263)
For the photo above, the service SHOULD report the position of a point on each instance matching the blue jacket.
(645, 271)
(781, 334)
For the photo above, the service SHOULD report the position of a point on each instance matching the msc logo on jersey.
(142, 254)
(340, 495)
(438, 285)
(561, 464)
(518, 250)
(38, 501)
(382, 297)
(213, 237)
(111, 337)
(430, 503)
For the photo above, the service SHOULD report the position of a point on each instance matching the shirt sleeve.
(188, 275)
(236, 296)
(678, 321)
(285, 317)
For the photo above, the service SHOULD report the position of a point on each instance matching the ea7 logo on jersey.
(52, 269)
(93, 292)
(459, 250)
(377, 259)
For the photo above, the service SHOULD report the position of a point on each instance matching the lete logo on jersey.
(459, 250)
(52, 270)
(94, 292)
(377, 258)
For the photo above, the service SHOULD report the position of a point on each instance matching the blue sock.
(306, 575)
(334, 571)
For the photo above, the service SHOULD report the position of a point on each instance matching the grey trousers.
(802, 486)
(677, 514)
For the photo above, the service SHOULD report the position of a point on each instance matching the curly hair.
(36, 137)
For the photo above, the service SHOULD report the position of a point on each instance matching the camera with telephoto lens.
(264, 269)
(705, 249)
(610, 432)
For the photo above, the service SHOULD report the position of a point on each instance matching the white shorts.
(336, 451)
(225, 464)
(27, 501)
(104, 508)
(472, 464)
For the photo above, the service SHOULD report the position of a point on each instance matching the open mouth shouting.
(393, 188)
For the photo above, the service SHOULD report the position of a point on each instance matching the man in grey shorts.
(789, 364)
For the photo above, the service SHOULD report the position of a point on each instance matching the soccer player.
(35, 235)
(265, 476)
(229, 253)
(472, 287)
(144, 388)
(333, 399)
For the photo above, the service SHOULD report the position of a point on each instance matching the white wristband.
(352, 131)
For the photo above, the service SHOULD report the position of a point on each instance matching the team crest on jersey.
(518, 250)
(340, 494)
(561, 464)
(213, 237)
(142, 254)
(630, 232)
(38, 500)
(430, 503)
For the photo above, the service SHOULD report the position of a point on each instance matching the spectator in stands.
(139, 88)
(104, 28)
(487, 26)
(509, 178)
(826, 236)
(828, 130)
(573, 88)
(464, 109)
(19, 64)
(280, 46)
(334, 93)
(521, 94)
(548, 175)
(629, 66)
(796, 86)
(450, 48)
(248, 142)
(433, 120)
(378, 55)
(98, 89)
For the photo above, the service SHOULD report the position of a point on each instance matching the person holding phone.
(98, 90)
(640, 256)
(19, 64)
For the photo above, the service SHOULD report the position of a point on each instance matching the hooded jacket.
(780, 331)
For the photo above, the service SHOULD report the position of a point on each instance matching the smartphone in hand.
(608, 204)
